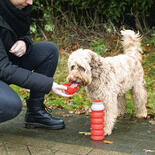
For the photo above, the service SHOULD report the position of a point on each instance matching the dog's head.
(83, 66)
(79, 68)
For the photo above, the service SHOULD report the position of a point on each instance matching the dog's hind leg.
(139, 96)
(121, 105)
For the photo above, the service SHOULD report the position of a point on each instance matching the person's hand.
(60, 90)
(18, 48)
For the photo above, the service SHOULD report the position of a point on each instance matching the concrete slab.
(82, 150)
(105, 152)
(128, 137)
(15, 149)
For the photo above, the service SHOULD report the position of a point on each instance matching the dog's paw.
(142, 115)
(107, 132)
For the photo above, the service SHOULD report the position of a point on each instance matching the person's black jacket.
(11, 73)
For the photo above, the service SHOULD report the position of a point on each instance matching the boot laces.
(46, 109)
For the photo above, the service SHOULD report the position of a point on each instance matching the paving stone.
(27, 141)
(144, 148)
(68, 148)
(38, 142)
(64, 153)
(3, 150)
(40, 151)
(17, 149)
(106, 152)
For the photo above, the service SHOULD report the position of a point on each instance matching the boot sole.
(38, 125)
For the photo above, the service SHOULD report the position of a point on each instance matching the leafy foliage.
(80, 99)
(98, 46)
(52, 14)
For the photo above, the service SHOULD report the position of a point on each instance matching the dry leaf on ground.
(146, 150)
(85, 133)
(108, 142)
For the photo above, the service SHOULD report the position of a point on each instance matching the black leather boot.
(37, 116)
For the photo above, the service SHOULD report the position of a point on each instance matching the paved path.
(128, 137)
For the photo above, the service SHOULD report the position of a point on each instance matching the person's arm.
(18, 48)
(22, 46)
(28, 41)
(13, 74)
(60, 90)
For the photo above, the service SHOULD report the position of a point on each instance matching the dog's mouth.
(78, 82)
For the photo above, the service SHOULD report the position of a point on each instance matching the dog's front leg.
(111, 113)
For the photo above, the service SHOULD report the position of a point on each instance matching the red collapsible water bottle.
(71, 89)
(97, 120)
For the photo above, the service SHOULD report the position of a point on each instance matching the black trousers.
(42, 59)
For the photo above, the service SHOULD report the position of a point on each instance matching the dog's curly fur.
(108, 79)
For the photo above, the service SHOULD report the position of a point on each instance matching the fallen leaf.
(59, 113)
(85, 133)
(80, 111)
(24, 91)
(147, 106)
(108, 142)
(61, 50)
(117, 121)
(145, 150)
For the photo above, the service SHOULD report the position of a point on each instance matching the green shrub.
(91, 12)
(98, 46)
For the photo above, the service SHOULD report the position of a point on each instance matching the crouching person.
(27, 65)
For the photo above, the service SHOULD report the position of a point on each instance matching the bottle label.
(97, 106)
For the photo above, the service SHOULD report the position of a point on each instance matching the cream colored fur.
(108, 79)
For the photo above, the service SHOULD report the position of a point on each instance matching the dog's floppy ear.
(96, 65)
(95, 60)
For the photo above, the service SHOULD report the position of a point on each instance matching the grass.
(80, 99)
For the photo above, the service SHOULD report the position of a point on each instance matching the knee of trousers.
(10, 108)
(53, 51)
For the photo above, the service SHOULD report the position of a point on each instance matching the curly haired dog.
(108, 79)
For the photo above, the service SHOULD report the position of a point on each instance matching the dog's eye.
(72, 67)
(81, 68)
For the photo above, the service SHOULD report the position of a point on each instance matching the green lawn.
(80, 99)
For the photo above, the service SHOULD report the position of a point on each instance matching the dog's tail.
(132, 44)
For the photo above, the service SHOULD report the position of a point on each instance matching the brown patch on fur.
(132, 75)
(96, 65)
(122, 82)
(106, 83)
(112, 69)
